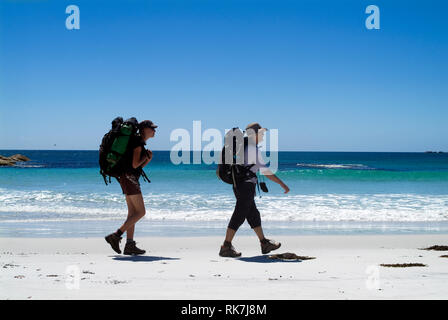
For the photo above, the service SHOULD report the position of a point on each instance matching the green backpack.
(114, 146)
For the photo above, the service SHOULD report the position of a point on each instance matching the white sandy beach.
(346, 267)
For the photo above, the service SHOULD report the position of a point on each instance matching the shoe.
(131, 249)
(269, 245)
(229, 251)
(114, 242)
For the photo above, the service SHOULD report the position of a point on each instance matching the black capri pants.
(245, 207)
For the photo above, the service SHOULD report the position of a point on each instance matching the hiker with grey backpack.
(241, 160)
(123, 156)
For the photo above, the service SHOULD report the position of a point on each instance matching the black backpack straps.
(104, 176)
(145, 177)
(250, 172)
(232, 168)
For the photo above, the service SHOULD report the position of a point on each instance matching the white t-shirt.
(252, 155)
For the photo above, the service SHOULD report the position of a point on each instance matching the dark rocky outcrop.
(289, 256)
(11, 161)
(437, 248)
(403, 265)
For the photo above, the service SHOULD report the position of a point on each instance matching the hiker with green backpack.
(123, 156)
(241, 160)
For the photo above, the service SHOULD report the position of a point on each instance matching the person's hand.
(285, 187)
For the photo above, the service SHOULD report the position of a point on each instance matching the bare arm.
(268, 173)
(138, 160)
(145, 163)
(148, 159)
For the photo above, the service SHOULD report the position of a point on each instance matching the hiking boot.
(229, 251)
(131, 249)
(269, 245)
(114, 241)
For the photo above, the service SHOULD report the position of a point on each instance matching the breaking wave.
(60, 206)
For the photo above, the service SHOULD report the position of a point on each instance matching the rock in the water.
(11, 161)
(19, 157)
(7, 162)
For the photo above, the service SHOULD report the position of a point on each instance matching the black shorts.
(129, 183)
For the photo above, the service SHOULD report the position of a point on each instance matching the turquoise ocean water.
(61, 194)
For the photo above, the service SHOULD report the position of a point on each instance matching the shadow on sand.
(142, 258)
(265, 259)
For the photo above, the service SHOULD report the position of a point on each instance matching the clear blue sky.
(309, 68)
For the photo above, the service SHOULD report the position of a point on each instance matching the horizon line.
(427, 151)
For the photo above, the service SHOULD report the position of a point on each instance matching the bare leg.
(230, 234)
(131, 212)
(259, 232)
(136, 211)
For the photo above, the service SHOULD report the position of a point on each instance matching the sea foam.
(59, 206)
